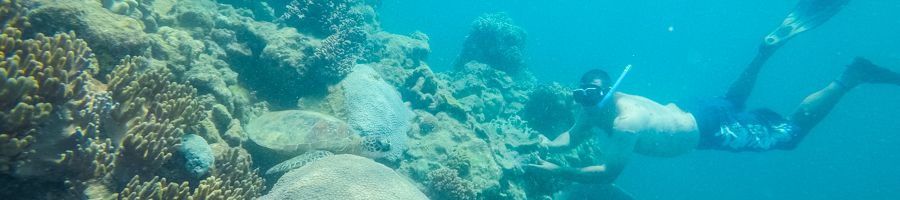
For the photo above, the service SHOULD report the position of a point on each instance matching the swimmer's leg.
(808, 14)
(741, 88)
(817, 105)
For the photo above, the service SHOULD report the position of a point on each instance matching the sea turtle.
(309, 135)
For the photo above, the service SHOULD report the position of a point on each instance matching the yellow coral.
(12, 14)
(120, 131)
(233, 180)
(39, 78)
(154, 111)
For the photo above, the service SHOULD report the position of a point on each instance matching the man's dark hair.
(589, 76)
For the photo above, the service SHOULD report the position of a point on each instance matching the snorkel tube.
(615, 86)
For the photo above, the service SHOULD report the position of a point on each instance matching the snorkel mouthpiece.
(615, 86)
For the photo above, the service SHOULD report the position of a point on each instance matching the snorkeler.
(632, 123)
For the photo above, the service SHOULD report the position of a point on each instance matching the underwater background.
(848, 156)
(401, 99)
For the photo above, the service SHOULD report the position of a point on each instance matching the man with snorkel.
(630, 123)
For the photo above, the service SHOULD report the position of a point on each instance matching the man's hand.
(539, 145)
(542, 167)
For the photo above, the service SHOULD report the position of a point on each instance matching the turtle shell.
(294, 132)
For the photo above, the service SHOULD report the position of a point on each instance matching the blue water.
(684, 49)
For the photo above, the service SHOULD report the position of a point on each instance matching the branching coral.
(111, 36)
(494, 40)
(445, 183)
(234, 180)
(157, 110)
(103, 137)
(460, 161)
(42, 80)
(337, 55)
(12, 14)
(323, 18)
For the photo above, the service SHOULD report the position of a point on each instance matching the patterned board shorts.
(724, 126)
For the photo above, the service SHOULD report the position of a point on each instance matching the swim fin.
(863, 71)
(807, 15)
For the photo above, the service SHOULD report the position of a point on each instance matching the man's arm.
(616, 152)
(576, 135)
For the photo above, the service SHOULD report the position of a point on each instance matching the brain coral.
(343, 177)
(374, 108)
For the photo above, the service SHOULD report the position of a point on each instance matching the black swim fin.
(863, 71)
(808, 14)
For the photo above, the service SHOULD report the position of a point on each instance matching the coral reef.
(460, 161)
(549, 110)
(165, 76)
(112, 36)
(343, 177)
(198, 155)
(488, 92)
(324, 18)
(44, 82)
(262, 10)
(12, 14)
(453, 145)
(232, 181)
(154, 113)
(397, 52)
(281, 64)
(445, 183)
(424, 90)
(102, 135)
(494, 40)
(337, 56)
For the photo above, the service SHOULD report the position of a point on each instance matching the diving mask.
(590, 94)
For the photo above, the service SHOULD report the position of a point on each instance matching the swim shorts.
(724, 126)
